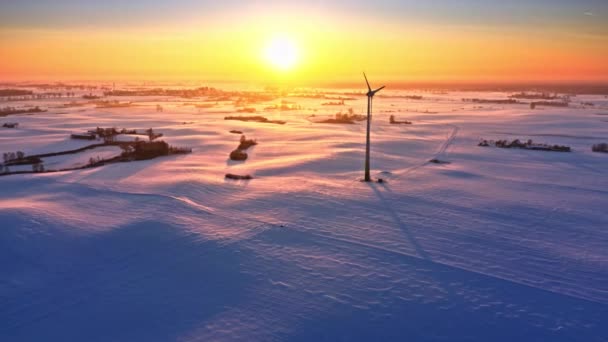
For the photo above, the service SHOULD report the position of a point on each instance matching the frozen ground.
(497, 245)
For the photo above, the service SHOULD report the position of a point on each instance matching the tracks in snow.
(440, 152)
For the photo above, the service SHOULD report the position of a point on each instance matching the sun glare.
(281, 53)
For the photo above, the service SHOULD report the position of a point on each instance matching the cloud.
(589, 13)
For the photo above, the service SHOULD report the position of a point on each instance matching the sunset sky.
(470, 40)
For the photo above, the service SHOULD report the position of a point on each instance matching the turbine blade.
(366, 81)
(377, 90)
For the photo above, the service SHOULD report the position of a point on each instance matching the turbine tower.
(370, 96)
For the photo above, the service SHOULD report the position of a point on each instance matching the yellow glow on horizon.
(302, 49)
(281, 53)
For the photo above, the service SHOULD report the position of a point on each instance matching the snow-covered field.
(496, 245)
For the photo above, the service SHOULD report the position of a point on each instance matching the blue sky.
(588, 15)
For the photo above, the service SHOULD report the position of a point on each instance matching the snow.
(80, 159)
(496, 245)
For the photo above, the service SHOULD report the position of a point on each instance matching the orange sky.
(331, 47)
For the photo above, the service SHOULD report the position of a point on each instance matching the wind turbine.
(370, 97)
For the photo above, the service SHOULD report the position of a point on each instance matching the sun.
(281, 53)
